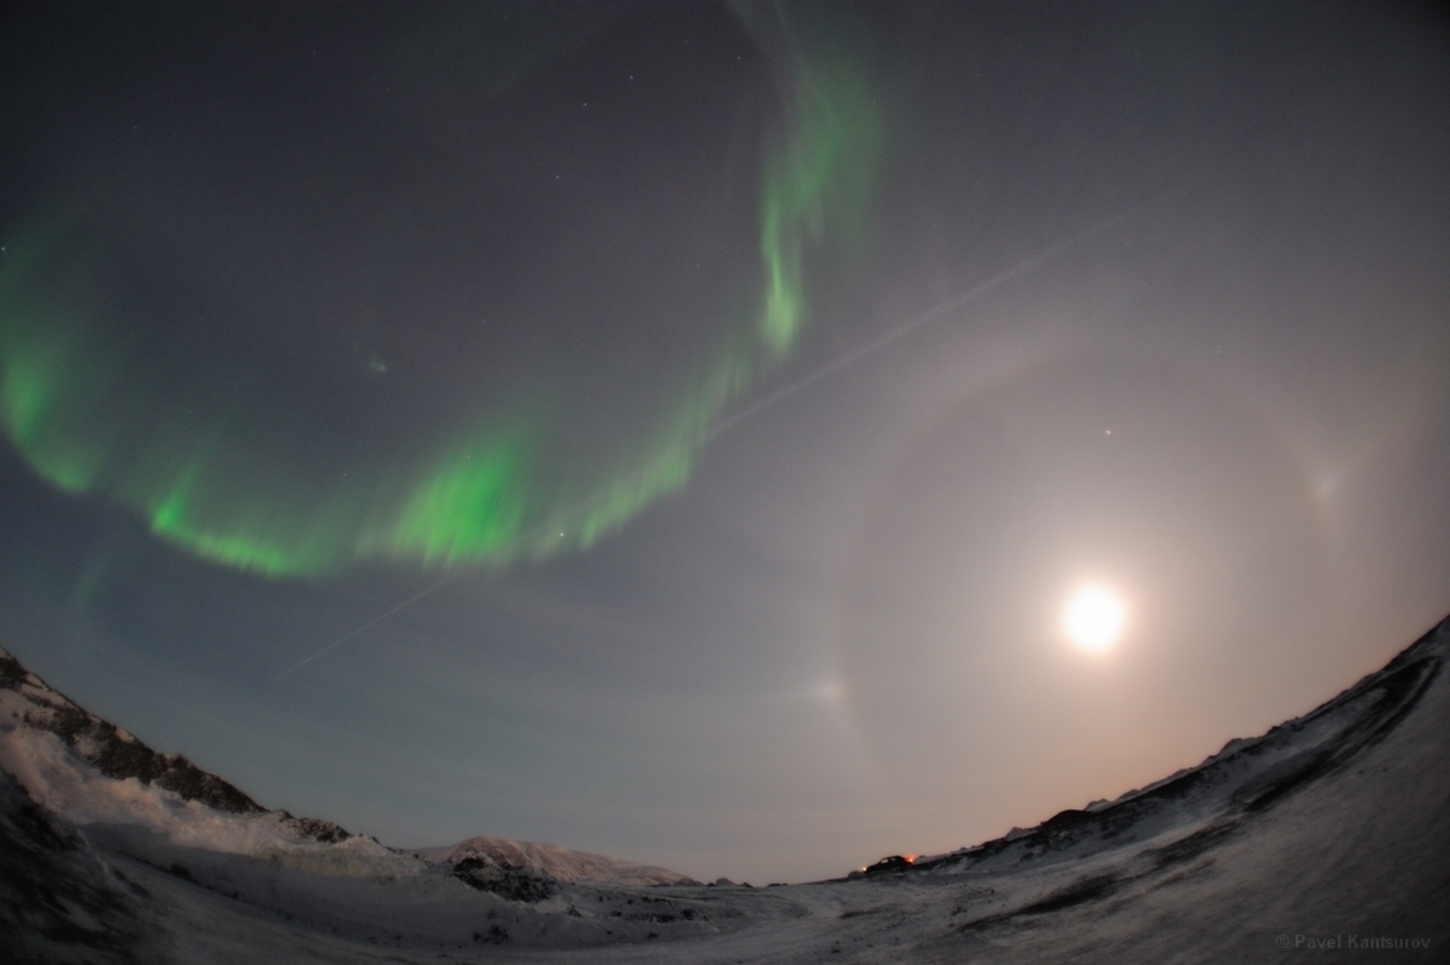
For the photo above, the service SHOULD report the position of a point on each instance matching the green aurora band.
(74, 405)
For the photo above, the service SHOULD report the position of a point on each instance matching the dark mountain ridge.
(1248, 775)
(120, 755)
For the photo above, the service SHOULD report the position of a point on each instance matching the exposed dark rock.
(119, 755)
(514, 884)
(1089, 889)
(497, 935)
(315, 828)
(11, 672)
(115, 753)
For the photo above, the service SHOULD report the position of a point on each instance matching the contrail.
(375, 621)
(931, 314)
(755, 408)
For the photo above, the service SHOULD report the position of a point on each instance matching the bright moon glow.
(1094, 617)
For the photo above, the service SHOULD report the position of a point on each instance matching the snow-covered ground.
(1328, 836)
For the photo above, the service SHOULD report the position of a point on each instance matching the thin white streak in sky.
(917, 321)
(754, 409)
(375, 621)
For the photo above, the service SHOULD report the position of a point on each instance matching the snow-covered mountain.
(558, 863)
(90, 772)
(1248, 775)
(1330, 832)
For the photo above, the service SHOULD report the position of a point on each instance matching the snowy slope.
(1328, 834)
(1247, 776)
(90, 772)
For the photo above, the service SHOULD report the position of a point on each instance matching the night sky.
(675, 430)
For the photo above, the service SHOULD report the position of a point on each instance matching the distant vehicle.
(895, 863)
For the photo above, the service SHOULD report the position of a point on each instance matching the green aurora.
(92, 416)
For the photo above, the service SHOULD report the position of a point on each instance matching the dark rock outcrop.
(514, 884)
(119, 755)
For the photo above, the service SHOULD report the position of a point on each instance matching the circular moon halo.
(1094, 617)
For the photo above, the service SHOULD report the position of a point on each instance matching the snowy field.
(1326, 839)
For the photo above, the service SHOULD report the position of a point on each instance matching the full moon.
(1094, 617)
